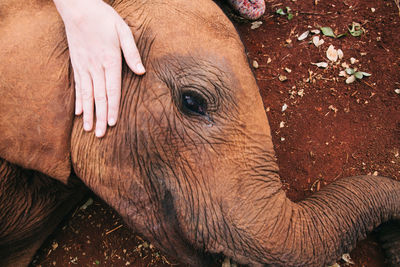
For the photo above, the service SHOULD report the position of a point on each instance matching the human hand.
(96, 35)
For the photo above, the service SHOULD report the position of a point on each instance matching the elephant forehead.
(181, 20)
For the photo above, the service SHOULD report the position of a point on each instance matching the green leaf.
(356, 29)
(280, 11)
(327, 31)
(356, 33)
(350, 71)
(341, 35)
(366, 74)
(97, 262)
(358, 75)
(289, 16)
(288, 9)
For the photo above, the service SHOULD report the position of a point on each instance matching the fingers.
(113, 89)
(78, 94)
(104, 86)
(100, 99)
(129, 48)
(87, 100)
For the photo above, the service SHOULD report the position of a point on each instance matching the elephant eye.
(194, 103)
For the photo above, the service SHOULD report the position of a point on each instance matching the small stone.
(255, 64)
(282, 139)
(345, 65)
(284, 107)
(282, 124)
(353, 60)
(282, 78)
(372, 9)
(397, 91)
(300, 93)
(375, 173)
(342, 73)
(288, 70)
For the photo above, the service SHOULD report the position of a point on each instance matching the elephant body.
(190, 164)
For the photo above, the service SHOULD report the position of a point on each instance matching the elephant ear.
(36, 97)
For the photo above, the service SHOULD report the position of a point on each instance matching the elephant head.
(191, 163)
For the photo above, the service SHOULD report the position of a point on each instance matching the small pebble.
(255, 64)
(282, 78)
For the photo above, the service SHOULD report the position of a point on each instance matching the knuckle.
(86, 95)
(113, 92)
(100, 99)
(111, 61)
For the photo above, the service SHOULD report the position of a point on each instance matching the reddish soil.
(330, 129)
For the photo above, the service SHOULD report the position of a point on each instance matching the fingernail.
(86, 126)
(99, 133)
(140, 68)
(111, 122)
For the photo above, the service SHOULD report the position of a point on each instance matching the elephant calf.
(190, 165)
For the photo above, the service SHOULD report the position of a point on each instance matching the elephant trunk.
(317, 230)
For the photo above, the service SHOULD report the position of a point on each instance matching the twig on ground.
(398, 5)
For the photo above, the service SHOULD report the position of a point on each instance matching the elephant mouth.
(178, 244)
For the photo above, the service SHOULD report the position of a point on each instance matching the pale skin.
(96, 36)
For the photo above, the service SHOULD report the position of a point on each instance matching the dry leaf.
(340, 53)
(317, 42)
(346, 257)
(351, 79)
(320, 64)
(303, 35)
(255, 24)
(332, 53)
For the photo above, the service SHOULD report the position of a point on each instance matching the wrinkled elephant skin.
(190, 164)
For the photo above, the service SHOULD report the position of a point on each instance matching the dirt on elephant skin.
(329, 129)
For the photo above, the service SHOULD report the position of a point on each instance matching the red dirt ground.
(330, 129)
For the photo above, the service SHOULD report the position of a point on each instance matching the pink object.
(249, 9)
